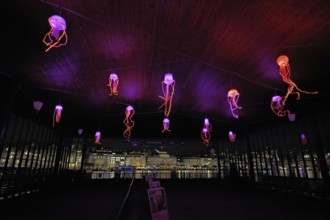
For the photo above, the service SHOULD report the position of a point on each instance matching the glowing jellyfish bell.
(168, 86)
(57, 114)
(113, 84)
(231, 136)
(128, 122)
(283, 62)
(277, 100)
(166, 125)
(129, 110)
(56, 37)
(232, 98)
(277, 106)
(97, 137)
(168, 79)
(206, 122)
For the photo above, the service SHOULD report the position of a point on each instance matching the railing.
(120, 213)
(304, 186)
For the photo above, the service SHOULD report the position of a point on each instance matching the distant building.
(161, 161)
(136, 159)
(161, 165)
(104, 160)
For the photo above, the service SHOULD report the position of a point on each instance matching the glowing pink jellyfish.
(285, 72)
(232, 99)
(206, 136)
(168, 86)
(206, 131)
(56, 37)
(166, 125)
(113, 84)
(303, 139)
(97, 137)
(129, 123)
(231, 136)
(57, 114)
(277, 106)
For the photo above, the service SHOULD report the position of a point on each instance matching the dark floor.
(187, 199)
(216, 200)
(99, 200)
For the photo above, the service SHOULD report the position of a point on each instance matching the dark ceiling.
(208, 46)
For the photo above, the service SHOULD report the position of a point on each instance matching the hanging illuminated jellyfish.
(57, 114)
(97, 137)
(206, 131)
(129, 123)
(168, 86)
(113, 84)
(56, 37)
(206, 136)
(303, 139)
(166, 125)
(277, 106)
(285, 72)
(231, 136)
(232, 98)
